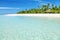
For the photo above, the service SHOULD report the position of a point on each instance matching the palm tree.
(48, 6)
(53, 6)
(44, 7)
(59, 8)
(25, 10)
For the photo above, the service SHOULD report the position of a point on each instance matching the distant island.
(44, 9)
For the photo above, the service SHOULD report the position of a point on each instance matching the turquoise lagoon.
(29, 28)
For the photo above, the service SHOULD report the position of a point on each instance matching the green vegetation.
(44, 9)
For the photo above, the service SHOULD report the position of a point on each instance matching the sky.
(13, 6)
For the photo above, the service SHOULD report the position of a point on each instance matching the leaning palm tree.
(38, 6)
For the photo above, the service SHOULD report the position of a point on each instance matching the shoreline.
(38, 15)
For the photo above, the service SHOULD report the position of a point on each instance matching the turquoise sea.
(29, 28)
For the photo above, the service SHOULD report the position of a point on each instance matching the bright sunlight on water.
(29, 28)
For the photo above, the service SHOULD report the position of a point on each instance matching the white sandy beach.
(38, 15)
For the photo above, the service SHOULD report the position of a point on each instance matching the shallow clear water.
(29, 28)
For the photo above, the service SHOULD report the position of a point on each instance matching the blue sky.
(13, 6)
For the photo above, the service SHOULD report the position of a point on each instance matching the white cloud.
(37, 0)
(8, 8)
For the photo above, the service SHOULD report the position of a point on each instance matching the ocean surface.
(29, 28)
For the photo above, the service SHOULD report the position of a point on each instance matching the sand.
(39, 15)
